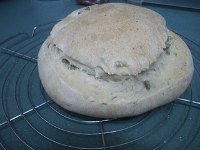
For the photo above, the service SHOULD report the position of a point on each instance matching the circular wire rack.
(29, 119)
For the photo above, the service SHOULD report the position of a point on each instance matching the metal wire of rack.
(29, 119)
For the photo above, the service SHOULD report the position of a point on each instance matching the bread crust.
(112, 34)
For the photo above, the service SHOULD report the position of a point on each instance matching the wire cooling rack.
(29, 119)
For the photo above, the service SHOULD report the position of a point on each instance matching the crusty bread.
(114, 60)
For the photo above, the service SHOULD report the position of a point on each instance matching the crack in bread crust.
(98, 72)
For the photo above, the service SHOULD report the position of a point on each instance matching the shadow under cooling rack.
(30, 120)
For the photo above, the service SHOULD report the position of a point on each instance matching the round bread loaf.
(114, 60)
